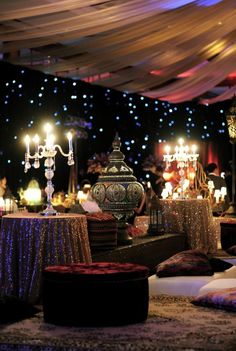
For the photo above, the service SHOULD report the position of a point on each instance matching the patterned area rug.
(173, 324)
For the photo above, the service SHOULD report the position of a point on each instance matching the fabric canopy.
(174, 50)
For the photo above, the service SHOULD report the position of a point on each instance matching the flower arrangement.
(97, 163)
(152, 161)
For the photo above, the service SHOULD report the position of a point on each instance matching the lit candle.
(211, 185)
(27, 144)
(175, 196)
(167, 149)
(48, 128)
(50, 142)
(186, 184)
(217, 195)
(168, 187)
(69, 136)
(8, 205)
(1, 203)
(164, 193)
(223, 192)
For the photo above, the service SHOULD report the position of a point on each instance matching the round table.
(29, 242)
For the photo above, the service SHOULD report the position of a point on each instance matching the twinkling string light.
(26, 96)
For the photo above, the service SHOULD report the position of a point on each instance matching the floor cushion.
(181, 285)
(186, 285)
(218, 284)
(222, 298)
(189, 262)
(231, 250)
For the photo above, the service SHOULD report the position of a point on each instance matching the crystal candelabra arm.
(70, 155)
(62, 152)
(27, 163)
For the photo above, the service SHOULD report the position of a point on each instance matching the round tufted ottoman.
(96, 294)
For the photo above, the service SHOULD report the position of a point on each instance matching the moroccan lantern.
(117, 191)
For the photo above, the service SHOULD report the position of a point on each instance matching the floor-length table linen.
(29, 242)
(193, 217)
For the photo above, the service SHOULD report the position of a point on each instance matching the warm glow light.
(27, 139)
(50, 141)
(164, 193)
(168, 176)
(191, 175)
(194, 148)
(81, 196)
(36, 139)
(47, 128)
(6, 205)
(217, 195)
(69, 135)
(184, 160)
(167, 149)
(27, 142)
(32, 196)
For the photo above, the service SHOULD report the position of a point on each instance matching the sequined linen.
(29, 242)
(193, 217)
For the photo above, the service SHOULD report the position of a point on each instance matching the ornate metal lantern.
(117, 191)
(155, 217)
(231, 123)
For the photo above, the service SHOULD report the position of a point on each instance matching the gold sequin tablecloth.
(193, 217)
(29, 242)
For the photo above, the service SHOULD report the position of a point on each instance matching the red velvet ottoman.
(96, 294)
(228, 234)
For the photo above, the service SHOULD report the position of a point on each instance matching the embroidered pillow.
(223, 299)
(231, 250)
(190, 262)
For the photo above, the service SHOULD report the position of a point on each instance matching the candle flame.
(27, 139)
(36, 139)
(47, 127)
(69, 135)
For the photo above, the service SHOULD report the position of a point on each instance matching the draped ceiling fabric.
(174, 50)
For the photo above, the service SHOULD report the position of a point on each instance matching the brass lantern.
(155, 217)
(117, 191)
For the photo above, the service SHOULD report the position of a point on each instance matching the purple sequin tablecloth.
(193, 217)
(29, 242)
